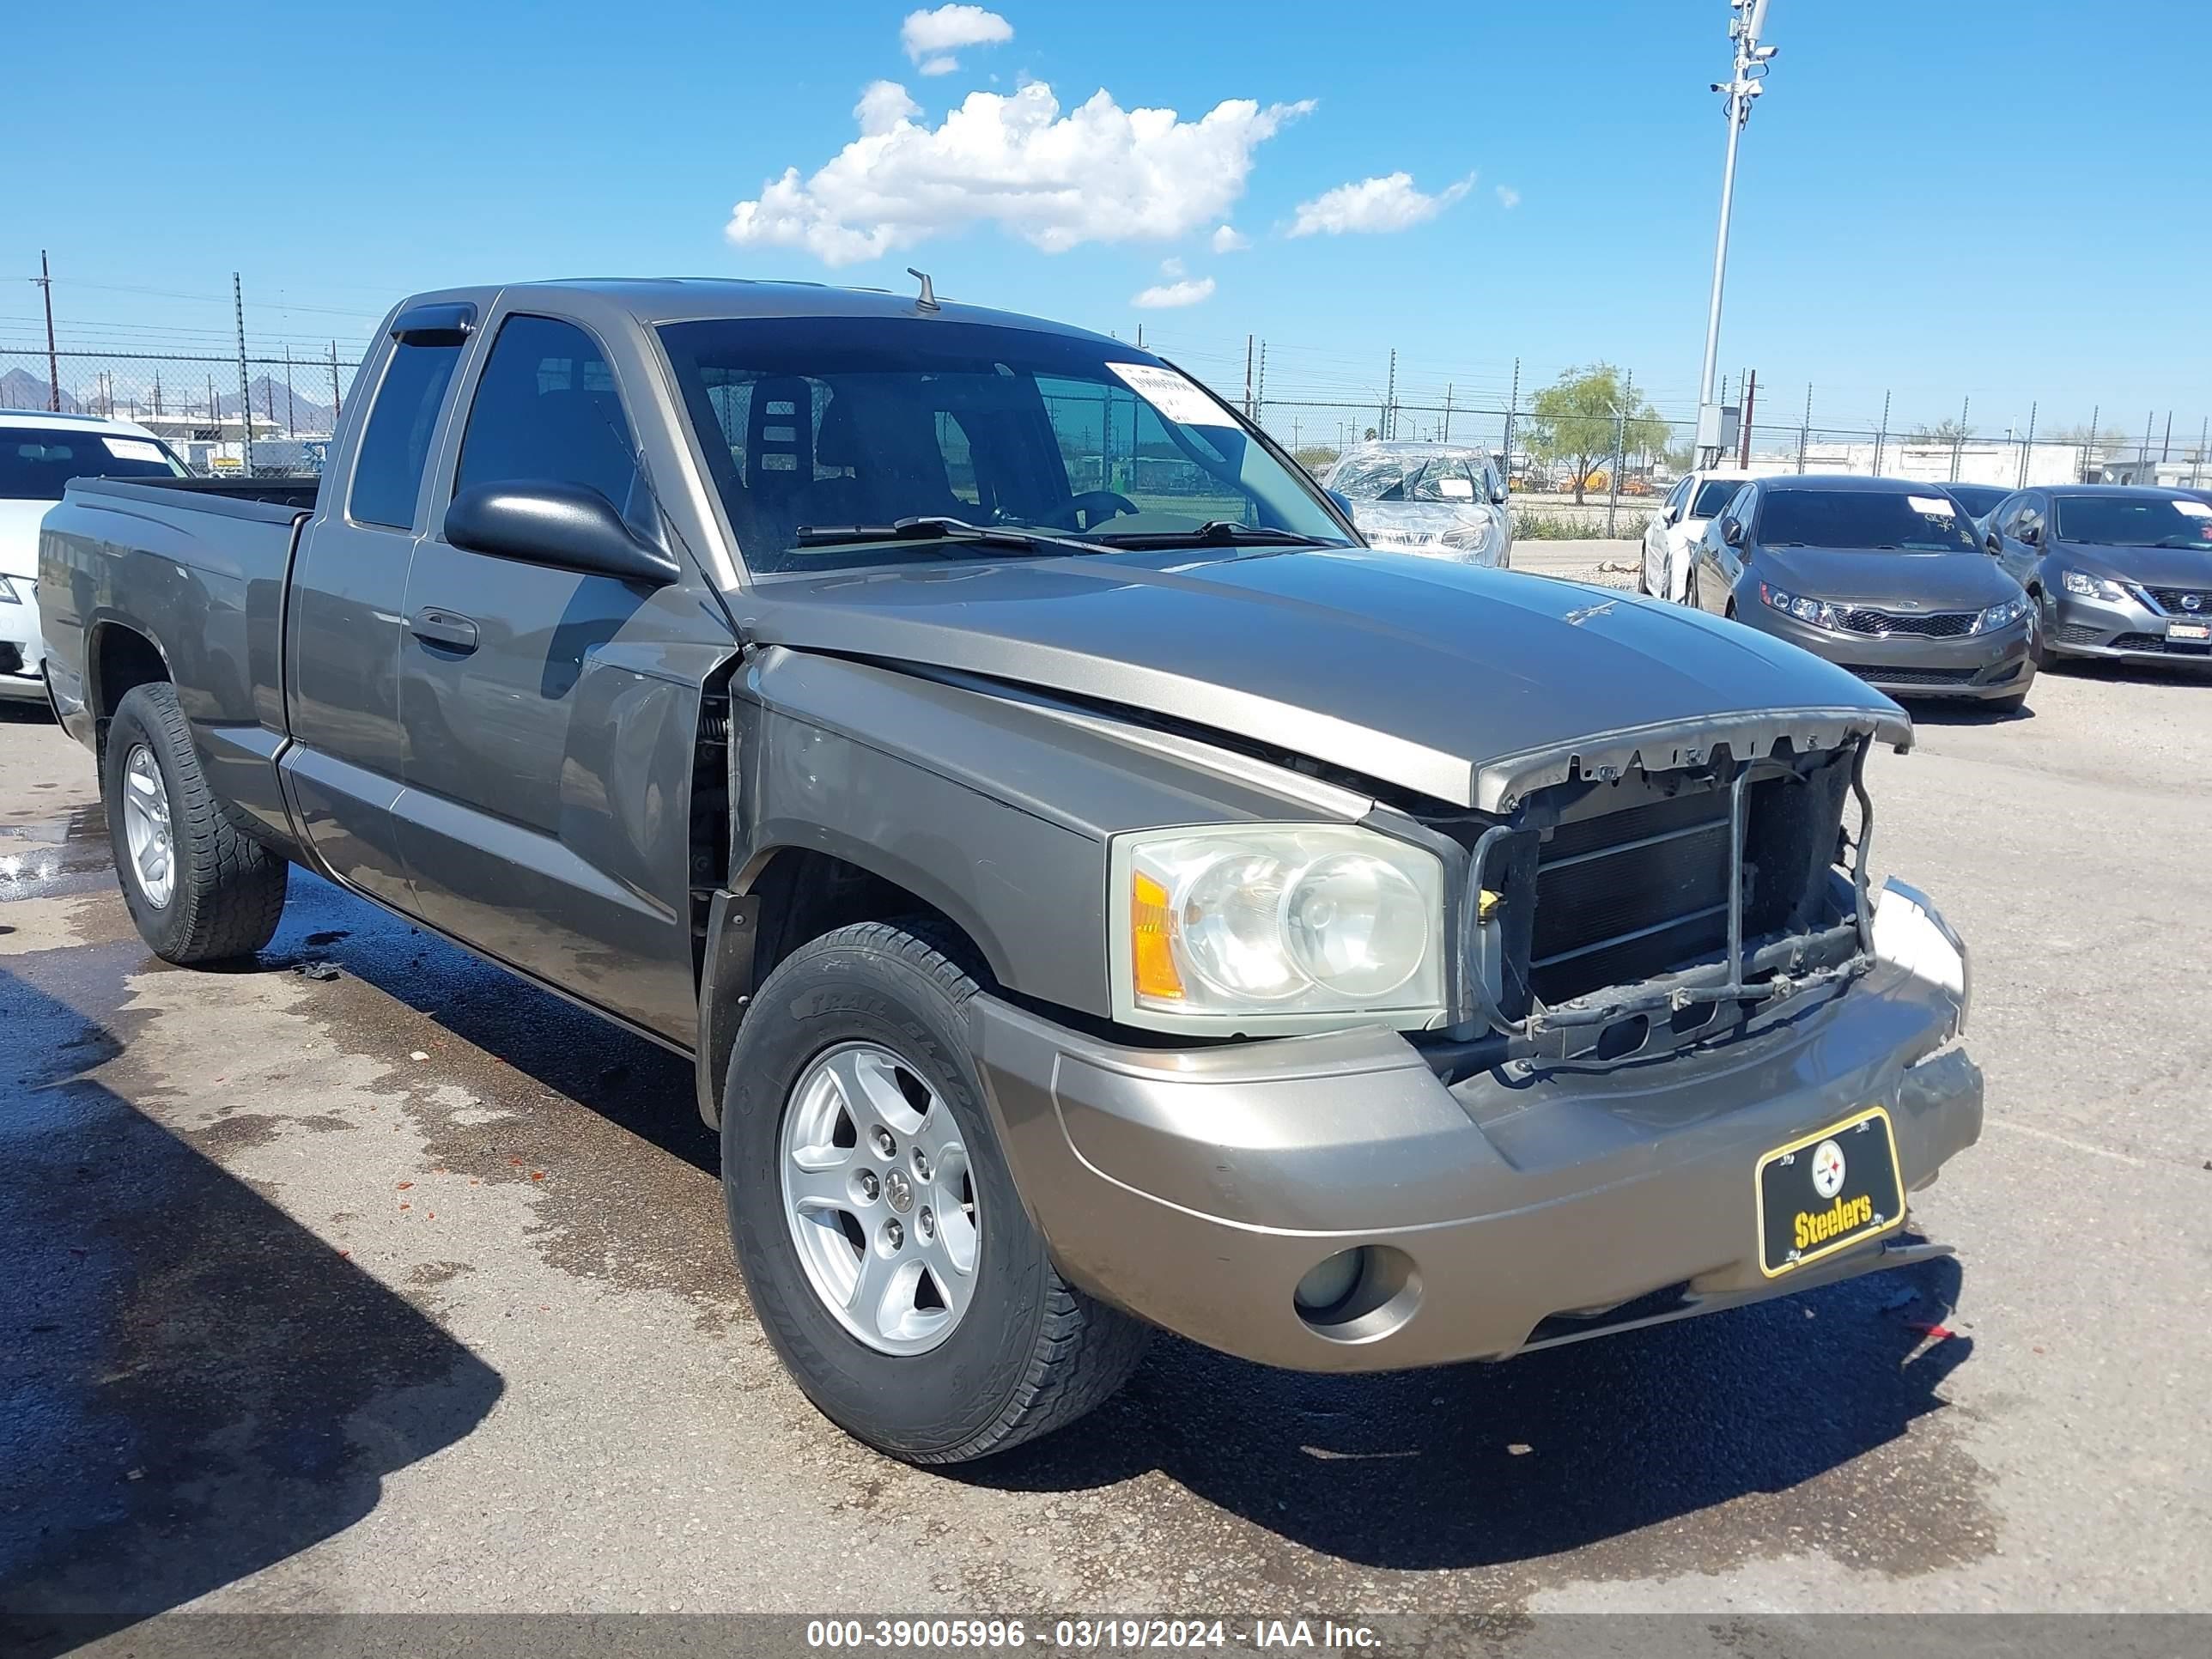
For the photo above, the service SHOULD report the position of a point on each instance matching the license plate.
(2181, 630)
(1834, 1188)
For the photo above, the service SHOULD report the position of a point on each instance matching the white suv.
(40, 452)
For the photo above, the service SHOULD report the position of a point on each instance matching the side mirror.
(1667, 515)
(1343, 503)
(2031, 535)
(567, 527)
(1732, 531)
(1995, 543)
(1498, 492)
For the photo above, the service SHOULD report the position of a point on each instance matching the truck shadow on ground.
(193, 1386)
(1800, 1407)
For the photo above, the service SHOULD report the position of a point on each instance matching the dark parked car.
(1092, 896)
(2116, 570)
(1976, 499)
(1884, 577)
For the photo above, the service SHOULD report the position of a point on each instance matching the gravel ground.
(368, 1278)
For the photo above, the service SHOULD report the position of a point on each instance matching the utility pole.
(1248, 377)
(1750, 397)
(157, 390)
(334, 388)
(291, 408)
(245, 393)
(1960, 437)
(1512, 409)
(2166, 449)
(1881, 437)
(2028, 448)
(46, 282)
(1746, 20)
(2145, 462)
(1805, 429)
(1448, 395)
(1390, 428)
(2088, 448)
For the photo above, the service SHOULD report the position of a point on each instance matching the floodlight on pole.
(1747, 24)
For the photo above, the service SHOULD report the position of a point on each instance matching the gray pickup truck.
(1096, 891)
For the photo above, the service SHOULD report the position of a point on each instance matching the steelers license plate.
(1832, 1189)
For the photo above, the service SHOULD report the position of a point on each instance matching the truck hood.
(1466, 685)
(19, 537)
(1897, 579)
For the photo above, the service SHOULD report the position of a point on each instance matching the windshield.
(1977, 499)
(2133, 521)
(37, 462)
(1386, 477)
(1878, 521)
(1712, 495)
(821, 423)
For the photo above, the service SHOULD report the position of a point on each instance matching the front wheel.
(199, 889)
(888, 1255)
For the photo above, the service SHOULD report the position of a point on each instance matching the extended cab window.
(546, 411)
(387, 474)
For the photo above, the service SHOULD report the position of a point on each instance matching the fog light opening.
(1329, 1286)
(1358, 1295)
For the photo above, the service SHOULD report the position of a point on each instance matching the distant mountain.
(292, 410)
(21, 390)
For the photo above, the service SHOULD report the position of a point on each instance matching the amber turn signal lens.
(1151, 954)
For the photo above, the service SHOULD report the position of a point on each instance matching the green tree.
(1945, 433)
(1581, 417)
(1317, 458)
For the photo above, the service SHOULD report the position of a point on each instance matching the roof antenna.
(928, 300)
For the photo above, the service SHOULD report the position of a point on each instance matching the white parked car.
(1695, 499)
(40, 453)
(1441, 500)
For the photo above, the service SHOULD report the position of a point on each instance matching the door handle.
(435, 625)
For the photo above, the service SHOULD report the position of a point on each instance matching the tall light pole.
(1746, 21)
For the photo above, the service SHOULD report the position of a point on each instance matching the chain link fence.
(292, 400)
(193, 401)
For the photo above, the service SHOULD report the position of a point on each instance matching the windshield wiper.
(1218, 532)
(940, 531)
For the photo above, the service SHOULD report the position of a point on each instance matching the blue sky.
(2000, 199)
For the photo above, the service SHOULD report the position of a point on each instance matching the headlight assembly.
(2091, 587)
(1275, 927)
(1819, 612)
(2001, 616)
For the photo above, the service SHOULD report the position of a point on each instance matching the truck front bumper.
(1197, 1187)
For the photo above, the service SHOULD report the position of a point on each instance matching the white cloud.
(1227, 239)
(1098, 173)
(931, 37)
(1167, 295)
(883, 106)
(1374, 205)
(1170, 267)
(1508, 197)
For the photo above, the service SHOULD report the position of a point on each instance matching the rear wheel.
(888, 1255)
(198, 887)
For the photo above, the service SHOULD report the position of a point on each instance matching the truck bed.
(277, 500)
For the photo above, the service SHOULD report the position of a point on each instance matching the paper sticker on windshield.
(1936, 506)
(2194, 509)
(133, 449)
(1456, 490)
(1172, 395)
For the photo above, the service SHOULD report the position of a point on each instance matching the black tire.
(1031, 1353)
(227, 889)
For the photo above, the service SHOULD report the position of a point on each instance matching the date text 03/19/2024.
(1087, 1635)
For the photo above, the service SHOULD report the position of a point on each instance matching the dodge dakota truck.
(1095, 891)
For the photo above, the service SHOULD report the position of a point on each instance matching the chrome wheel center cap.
(899, 1191)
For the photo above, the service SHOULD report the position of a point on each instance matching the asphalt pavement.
(366, 1278)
